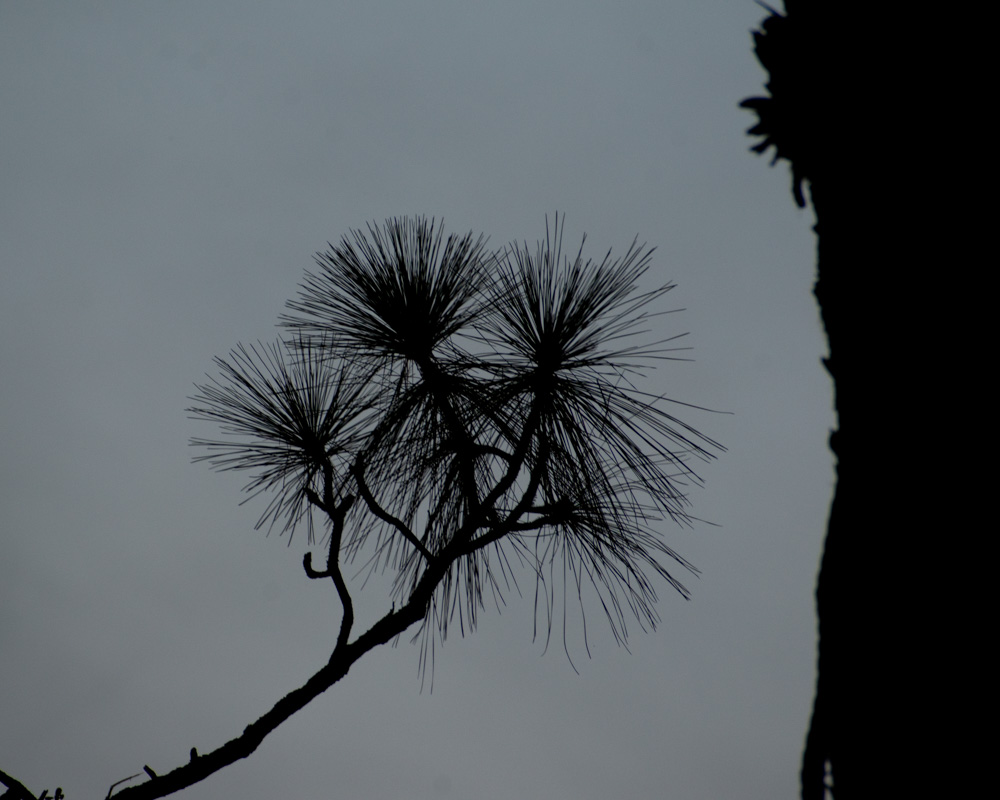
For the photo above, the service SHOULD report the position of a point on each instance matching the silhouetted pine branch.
(457, 416)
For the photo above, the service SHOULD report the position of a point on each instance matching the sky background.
(167, 171)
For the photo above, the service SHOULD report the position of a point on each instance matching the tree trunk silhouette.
(839, 111)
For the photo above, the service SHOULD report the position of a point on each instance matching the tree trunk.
(841, 111)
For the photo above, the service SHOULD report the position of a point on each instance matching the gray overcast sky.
(167, 171)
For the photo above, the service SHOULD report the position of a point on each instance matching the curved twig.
(384, 515)
(119, 783)
(337, 515)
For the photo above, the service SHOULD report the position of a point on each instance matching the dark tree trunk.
(840, 111)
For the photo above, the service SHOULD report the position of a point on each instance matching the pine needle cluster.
(457, 414)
